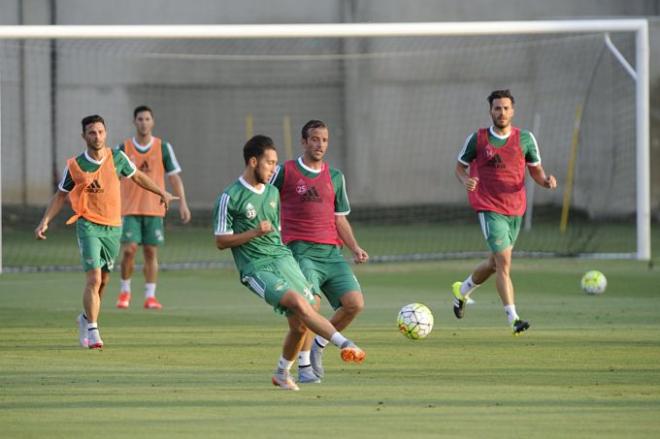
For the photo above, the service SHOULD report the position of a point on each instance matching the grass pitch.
(589, 366)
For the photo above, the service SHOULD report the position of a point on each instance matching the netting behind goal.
(399, 111)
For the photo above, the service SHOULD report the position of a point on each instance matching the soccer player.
(315, 208)
(91, 182)
(497, 158)
(141, 210)
(246, 219)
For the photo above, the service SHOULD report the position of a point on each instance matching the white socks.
(511, 313)
(284, 364)
(125, 285)
(337, 339)
(320, 341)
(468, 286)
(303, 359)
(149, 290)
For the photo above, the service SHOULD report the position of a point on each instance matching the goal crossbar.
(338, 30)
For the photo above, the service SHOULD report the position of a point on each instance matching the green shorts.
(325, 267)
(98, 244)
(272, 279)
(500, 231)
(143, 229)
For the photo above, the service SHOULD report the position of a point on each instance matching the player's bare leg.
(503, 276)
(96, 281)
(352, 303)
(91, 298)
(461, 290)
(506, 292)
(150, 276)
(320, 325)
(307, 314)
(150, 263)
(484, 270)
(105, 279)
(293, 341)
(306, 373)
(128, 251)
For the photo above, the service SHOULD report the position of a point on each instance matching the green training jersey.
(342, 205)
(241, 207)
(170, 163)
(528, 145)
(123, 166)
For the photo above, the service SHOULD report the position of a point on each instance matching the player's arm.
(539, 176)
(468, 182)
(143, 180)
(234, 240)
(54, 207)
(342, 209)
(465, 156)
(173, 170)
(179, 191)
(345, 232)
(533, 159)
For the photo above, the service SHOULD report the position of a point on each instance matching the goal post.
(643, 143)
(351, 63)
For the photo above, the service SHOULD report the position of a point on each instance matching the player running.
(91, 182)
(141, 211)
(315, 225)
(497, 157)
(246, 219)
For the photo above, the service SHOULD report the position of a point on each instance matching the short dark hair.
(499, 94)
(94, 118)
(140, 109)
(256, 146)
(312, 124)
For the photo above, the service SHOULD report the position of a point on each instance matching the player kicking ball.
(247, 220)
(315, 226)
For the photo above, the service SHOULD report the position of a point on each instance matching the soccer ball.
(594, 282)
(415, 321)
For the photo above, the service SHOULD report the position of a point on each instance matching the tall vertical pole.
(53, 97)
(1, 234)
(643, 145)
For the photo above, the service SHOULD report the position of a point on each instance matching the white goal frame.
(639, 73)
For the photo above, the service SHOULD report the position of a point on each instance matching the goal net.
(399, 109)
